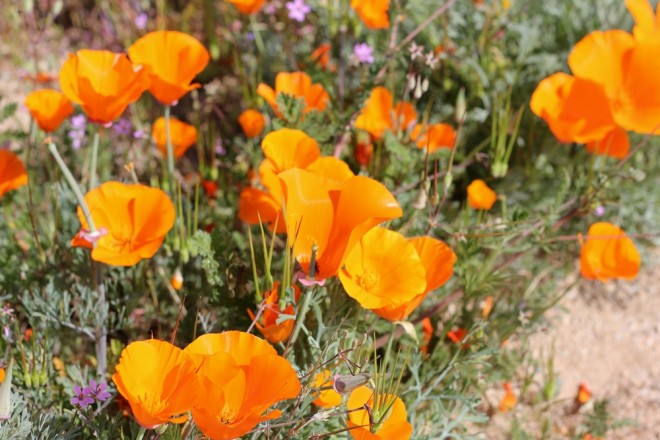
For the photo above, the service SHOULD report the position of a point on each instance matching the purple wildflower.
(122, 127)
(81, 397)
(364, 53)
(599, 211)
(78, 122)
(219, 148)
(138, 134)
(97, 391)
(141, 20)
(77, 134)
(298, 9)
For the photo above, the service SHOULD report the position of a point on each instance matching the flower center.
(368, 279)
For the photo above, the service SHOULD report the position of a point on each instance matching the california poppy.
(268, 326)
(243, 376)
(12, 172)
(158, 380)
(509, 400)
(103, 83)
(583, 394)
(48, 108)
(480, 196)
(321, 55)
(379, 114)
(615, 144)
(332, 216)
(328, 398)
(298, 85)
(373, 12)
(248, 6)
(647, 24)
(377, 424)
(173, 60)
(427, 332)
(363, 152)
(182, 136)
(435, 137)
(608, 253)
(438, 260)
(252, 122)
(486, 306)
(131, 222)
(457, 335)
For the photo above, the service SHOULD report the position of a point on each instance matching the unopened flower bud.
(346, 384)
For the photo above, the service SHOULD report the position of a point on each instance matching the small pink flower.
(93, 237)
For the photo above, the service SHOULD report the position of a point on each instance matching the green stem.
(300, 319)
(170, 152)
(95, 153)
(73, 185)
(140, 435)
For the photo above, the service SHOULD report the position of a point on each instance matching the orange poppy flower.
(647, 24)
(12, 172)
(248, 6)
(321, 56)
(509, 400)
(2, 375)
(457, 336)
(332, 216)
(173, 60)
(373, 13)
(363, 153)
(383, 269)
(435, 137)
(486, 306)
(158, 380)
(252, 122)
(427, 331)
(182, 136)
(438, 261)
(615, 144)
(48, 108)
(103, 83)
(327, 398)
(583, 395)
(298, 85)
(242, 376)
(379, 114)
(364, 426)
(608, 253)
(268, 326)
(131, 222)
(480, 196)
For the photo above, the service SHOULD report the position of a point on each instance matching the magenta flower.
(364, 53)
(81, 398)
(298, 9)
(97, 391)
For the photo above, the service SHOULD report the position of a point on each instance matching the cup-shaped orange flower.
(392, 424)
(243, 376)
(373, 12)
(438, 261)
(379, 114)
(325, 398)
(48, 108)
(248, 6)
(435, 137)
(332, 216)
(298, 85)
(583, 394)
(103, 83)
(615, 144)
(608, 253)
(252, 123)
(12, 172)
(159, 382)
(509, 400)
(268, 325)
(182, 136)
(383, 270)
(131, 222)
(480, 196)
(173, 60)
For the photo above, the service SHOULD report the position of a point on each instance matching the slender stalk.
(140, 435)
(300, 319)
(170, 151)
(93, 179)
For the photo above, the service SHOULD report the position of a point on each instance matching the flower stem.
(95, 153)
(168, 138)
(300, 319)
(140, 435)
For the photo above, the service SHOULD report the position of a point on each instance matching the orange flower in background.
(326, 398)
(268, 326)
(373, 13)
(242, 376)
(321, 56)
(509, 400)
(427, 331)
(182, 136)
(608, 253)
(103, 83)
(486, 306)
(252, 123)
(2, 375)
(383, 269)
(387, 426)
(12, 172)
(457, 336)
(363, 153)
(480, 196)
(379, 114)
(159, 382)
(173, 60)
(438, 262)
(298, 85)
(332, 216)
(435, 137)
(48, 108)
(248, 6)
(131, 222)
(583, 395)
